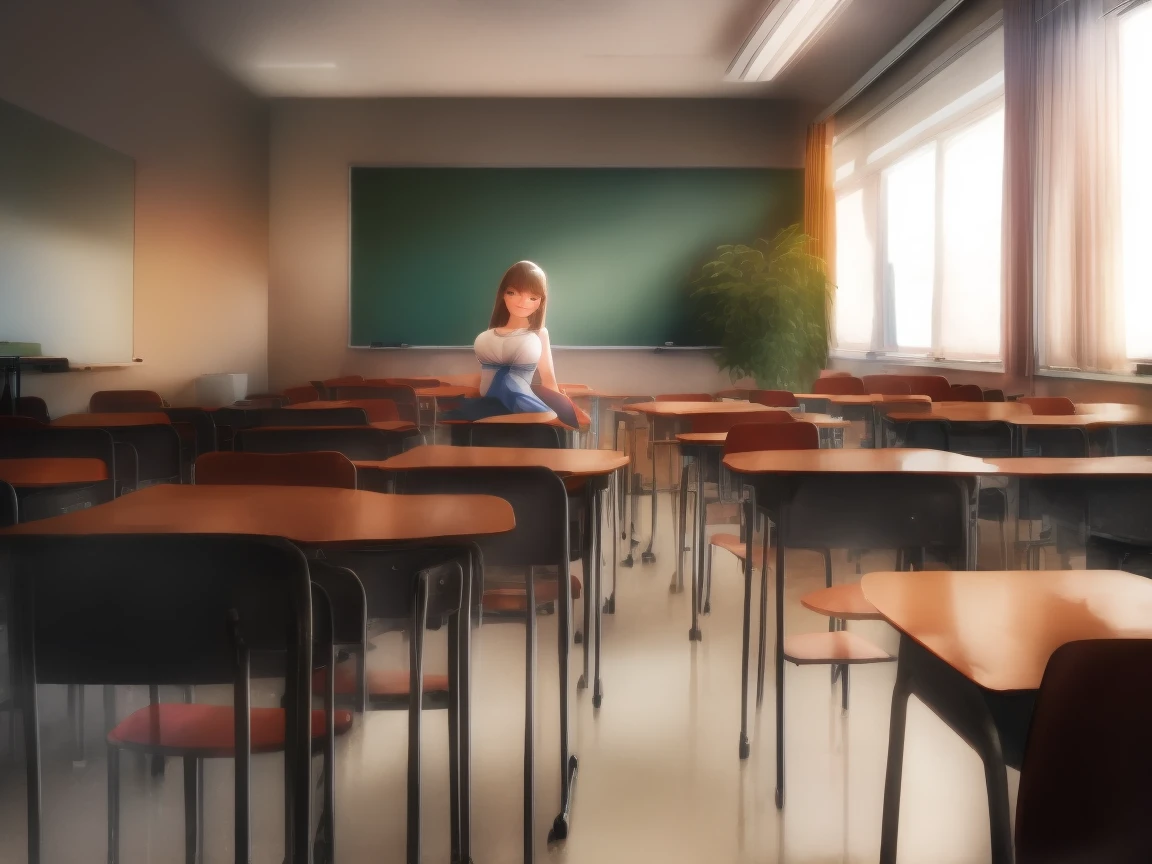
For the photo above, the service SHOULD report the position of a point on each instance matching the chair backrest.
(318, 468)
(725, 422)
(1084, 790)
(1133, 440)
(773, 398)
(34, 407)
(17, 421)
(158, 451)
(124, 401)
(839, 385)
(935, 387)
(69, 443)
(160, 609)
(201, 421)
(343, 416)
(412, 382)
(305, 393)
(9, 510)
(749, 437)
(541, 435)
(403, 395)
(966, 393)
(539, 502)
(355, 442)
(994, 395)
(375, 409)
(342, 380)
(685, 397)
(1049, 405)
(887, 385)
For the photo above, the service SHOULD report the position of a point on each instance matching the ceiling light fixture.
(782, 33)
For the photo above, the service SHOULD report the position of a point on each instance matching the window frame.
(883, 346)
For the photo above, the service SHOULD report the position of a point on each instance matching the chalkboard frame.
(352, 167)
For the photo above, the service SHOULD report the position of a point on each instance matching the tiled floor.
(659, 777)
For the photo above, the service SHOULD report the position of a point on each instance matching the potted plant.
(769, 304)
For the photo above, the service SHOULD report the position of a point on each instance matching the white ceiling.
(524, 47)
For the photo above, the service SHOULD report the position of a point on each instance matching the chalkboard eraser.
(404, 345)
(668, 344)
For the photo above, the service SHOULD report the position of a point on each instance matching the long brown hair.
(523, 276)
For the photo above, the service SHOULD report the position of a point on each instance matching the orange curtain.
(819, 201)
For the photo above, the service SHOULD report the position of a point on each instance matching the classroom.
(476, 431)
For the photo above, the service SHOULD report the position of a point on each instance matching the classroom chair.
(124, 402)
(886, 385)
(156, 449)
(53, 442)
(358, 443)
(773, 398)
(299, 395)
(1132, 440)
(97, 613)
(276, 469)
(404, 396)
(935, 387)
(34, 407)
(538, 547)
(966, 393)
(18, 421)
(838, 385)
(1084, 792)
(1049, 405)
(994, 395)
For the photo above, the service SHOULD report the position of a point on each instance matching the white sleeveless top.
(515, 348)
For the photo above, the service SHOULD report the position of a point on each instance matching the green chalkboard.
(621, 247)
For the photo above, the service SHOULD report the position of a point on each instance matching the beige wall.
(314, 143)
(112, 71)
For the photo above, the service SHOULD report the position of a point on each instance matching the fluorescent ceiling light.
(781, 34)
(296, 66)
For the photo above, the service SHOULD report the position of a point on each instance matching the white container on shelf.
(224, 388)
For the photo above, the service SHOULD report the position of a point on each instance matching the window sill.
(1111, 377)
(881, 360)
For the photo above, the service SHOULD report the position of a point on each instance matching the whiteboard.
(67, 213)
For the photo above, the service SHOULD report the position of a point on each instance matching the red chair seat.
(513, 598)
(381, 682)
(208, 731)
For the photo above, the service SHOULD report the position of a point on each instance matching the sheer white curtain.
(1077, 189)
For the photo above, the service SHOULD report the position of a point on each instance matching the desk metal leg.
(597, 568)
(464, 647)
(961, 704)
(648, 556)
(749, 519)
(568, 764)
(781, 533)
(613, 500)
(415, 708)
(681, 529)
(762, 656)
(694, 634)
(530, 720)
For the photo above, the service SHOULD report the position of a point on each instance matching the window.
(919, 187)
(1136, 179)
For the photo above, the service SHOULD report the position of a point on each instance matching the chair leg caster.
(694, 635)
(157, 769)
(578, 637)
(673, 588)
(648, 557)
(610, 605)
(745, 748)
(581, 684)
(779, 799)
(598, 695)
(707, 610)
(628, 562)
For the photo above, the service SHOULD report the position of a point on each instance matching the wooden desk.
(531, 419)
(665, 417)
(973, 648)
(594, 468)
(313, 516)
(866, 399)
(876, 499)
(50, 472)
(113, 421)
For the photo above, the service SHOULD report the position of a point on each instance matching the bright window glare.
(910, 199)
(1136, 178)
(855, 272)
(973, 194)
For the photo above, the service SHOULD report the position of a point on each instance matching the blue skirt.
(511, 392)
